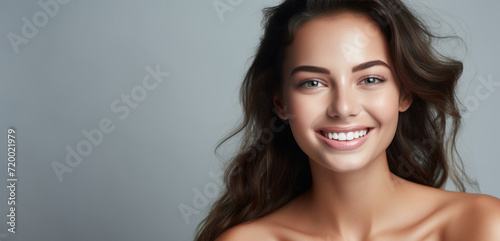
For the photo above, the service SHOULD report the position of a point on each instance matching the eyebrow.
(312, 69)
(370, 64)
(320, 70)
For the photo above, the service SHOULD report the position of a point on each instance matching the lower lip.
(344, 145)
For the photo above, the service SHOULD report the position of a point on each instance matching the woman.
(361, 150)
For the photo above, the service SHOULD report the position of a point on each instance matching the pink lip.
(343, 129)
(343, 145)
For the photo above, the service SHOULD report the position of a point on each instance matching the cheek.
(301, 110)
(307, 107)
(304, 111)
(384, 108)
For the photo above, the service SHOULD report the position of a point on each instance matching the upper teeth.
(345, 136)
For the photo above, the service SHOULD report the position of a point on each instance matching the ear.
(405, 101)
(279, 106)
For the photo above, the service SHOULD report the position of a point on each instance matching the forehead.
(342, 38)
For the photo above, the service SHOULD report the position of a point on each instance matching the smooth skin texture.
(354, 196)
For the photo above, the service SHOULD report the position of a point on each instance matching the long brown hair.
(270, 169)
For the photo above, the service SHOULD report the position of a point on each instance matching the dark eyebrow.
(369, 64)
(313, 69)
(356, 68)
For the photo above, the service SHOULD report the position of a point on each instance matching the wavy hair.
(270, 169)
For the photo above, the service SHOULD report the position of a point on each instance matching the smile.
(345, 136)
(344, 139)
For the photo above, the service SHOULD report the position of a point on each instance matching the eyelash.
(309, 81)
(380, 79)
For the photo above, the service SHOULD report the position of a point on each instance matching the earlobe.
(279, 107)
(405, 102)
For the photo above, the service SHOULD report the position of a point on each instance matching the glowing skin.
(337, 76)
(322, 91)
(338, 79)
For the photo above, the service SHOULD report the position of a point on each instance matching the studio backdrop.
(112, 109)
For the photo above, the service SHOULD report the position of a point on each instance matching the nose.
(344, 103)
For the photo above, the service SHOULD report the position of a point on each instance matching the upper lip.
(337, 129)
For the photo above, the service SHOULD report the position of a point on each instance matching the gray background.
(159, 158)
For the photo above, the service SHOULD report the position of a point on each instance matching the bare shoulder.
(477, 217)
(250, 231)
(278, 225)
(462, 216)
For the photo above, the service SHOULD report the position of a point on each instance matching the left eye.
(312, 84)
(372, 80)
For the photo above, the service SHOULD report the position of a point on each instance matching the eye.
(311, 84)
(372, 80)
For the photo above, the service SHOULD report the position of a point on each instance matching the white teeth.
(350, 136)
(342, 136)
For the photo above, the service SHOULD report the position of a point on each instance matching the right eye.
(311, 84)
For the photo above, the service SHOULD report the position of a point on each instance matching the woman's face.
(339, 93)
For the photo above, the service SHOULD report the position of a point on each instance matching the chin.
(341, 164)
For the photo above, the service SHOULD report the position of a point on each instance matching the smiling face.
(339, 88)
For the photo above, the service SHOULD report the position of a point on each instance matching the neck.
(355, 202)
